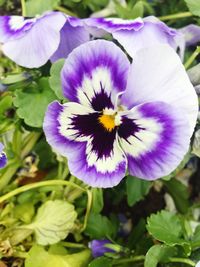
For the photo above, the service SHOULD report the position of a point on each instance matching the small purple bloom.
(3, 158)
(98, 247)
(137, 116)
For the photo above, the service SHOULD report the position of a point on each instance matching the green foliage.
(32, 103)
(38, 257)
(101, 262)
(166, 227)
(194, 6)
(179, 193)
(97, 200)
(99, 226)
(53, 222)
(158, 254)
(37, 7)
(55, 80)
(136, 189)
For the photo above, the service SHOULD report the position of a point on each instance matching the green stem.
(65, 10)
(182, 260)
(20, 254)
(72, 245)
(23, 5)
(192, 57)
(8, 174)
(133, 259)
(195, 245)
(176, 16)
(33, 137)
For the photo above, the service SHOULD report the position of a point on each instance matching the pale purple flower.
(137, 117)
(32, 42)
(136, 34)
(3, 158)
(98, 247)
(198, 264)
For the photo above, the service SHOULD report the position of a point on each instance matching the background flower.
(3, 158)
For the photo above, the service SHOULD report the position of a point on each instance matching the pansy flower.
(99, 248)
(31, 42)
(137, 117)
(136, 34)
(3, 158)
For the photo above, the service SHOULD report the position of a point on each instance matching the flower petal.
(155, 137)
(3, 158)
(114, 24)
(39, 43)
(71, 37)
(191, 34)
(13, 27)
(75, 132)
(94, 73)
(157, 74)
(150, 34)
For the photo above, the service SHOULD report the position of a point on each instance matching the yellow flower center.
(108, 122)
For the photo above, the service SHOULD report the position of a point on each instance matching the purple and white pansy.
(137, 117)
(3, 158)
(32, 42)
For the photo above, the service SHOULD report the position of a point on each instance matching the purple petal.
(149, 35)
(37, 44)
(156, 142)
(13, 27)
(98, 247)
(71, 37)
(191, 34)
(75, 132)
(114, 24)
(157, 74)
(94, 74)
(3, 158)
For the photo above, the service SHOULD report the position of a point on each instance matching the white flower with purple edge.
(137, 116)
(3, 158)
(32, 42)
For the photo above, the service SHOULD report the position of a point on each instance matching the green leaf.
(97, 200)
(39, 257)
(138, 10)
(53, 222)
(33, 103)
(194, 6)
(136, 189)
(54, 80)
(158, 254)
(101, 262)
(5, 104)
(165, 226)
(37, 7)
(179, 193)
(24, 212)
(99, 226)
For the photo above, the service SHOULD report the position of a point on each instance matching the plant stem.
(133, 259)
(66, 11)
(33, 137)
(72, 245)
(192, 57)
(23, 5)
(176, 16)
(182, 260)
